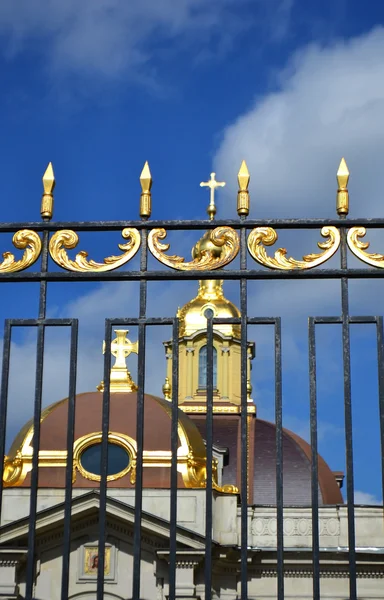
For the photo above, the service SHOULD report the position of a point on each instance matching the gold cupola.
(210, 295)
(193, 348)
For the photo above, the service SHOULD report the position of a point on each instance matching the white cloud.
(110, 37)
(366, 498)
(327, 103)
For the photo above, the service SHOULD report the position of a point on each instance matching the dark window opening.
(118, 459)
(203, 367)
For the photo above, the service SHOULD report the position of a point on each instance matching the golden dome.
(210, 296)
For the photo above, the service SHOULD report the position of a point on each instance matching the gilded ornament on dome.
(210, 295)
(121, 348)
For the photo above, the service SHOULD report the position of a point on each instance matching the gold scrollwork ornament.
(68, 239)
(357, 247)
(26, 240)
(267, 236)
(12, 470)
(214, 250)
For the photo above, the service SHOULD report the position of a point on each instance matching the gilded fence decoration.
(26, 240)
(266, 236)
(358, 248)
(67, 239)
(216, 249)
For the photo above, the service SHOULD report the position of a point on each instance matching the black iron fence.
(242, 230)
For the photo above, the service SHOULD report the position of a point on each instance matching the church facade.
(191, 487)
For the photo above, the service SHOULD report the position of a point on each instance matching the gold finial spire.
(167, 390)
(49, 183)
(243, 178)
(121, 348)
(212, 184)
(342, 199)
(145, 198)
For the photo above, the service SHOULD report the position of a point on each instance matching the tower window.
(203, 367)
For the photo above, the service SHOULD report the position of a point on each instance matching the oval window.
(118, 459)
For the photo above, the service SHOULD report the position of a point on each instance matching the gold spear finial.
(243, 178)
(342, 198)
(49, 183)
(212, 184)
(145, 198)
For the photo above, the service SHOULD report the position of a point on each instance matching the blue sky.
(290, 85)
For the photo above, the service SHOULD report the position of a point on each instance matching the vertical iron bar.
(279, 461)
(380, 366)
(30, 571)
(140, 422)
(69, 466)
(4, 402)
(174, 445)
(209, 455)
(44, 269)
(314, 458)
(104, 460)
(243, 421)
(348, 419)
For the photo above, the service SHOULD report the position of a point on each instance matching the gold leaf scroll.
(358, 247)
(216, 249)
(67, 239)
(268, 236)
(25, 238)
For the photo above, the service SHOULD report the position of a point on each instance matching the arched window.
(203, 367)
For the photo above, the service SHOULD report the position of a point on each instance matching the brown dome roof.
(122, 428)
(296, 462)
(296, 469)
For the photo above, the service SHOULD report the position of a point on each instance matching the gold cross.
(121, 347)
(212, 184)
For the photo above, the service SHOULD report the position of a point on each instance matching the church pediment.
(85, 514)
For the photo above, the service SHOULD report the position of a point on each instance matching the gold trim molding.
(267, 236)
(68, 239)
(216, 249)
(26, 240)
(358, 247)
(191, 464)
(224, 410)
